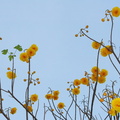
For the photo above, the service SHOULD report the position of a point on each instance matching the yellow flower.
(29, 108)
(115, 11)
(34, 47)
(48, 96)
(112, 112)
(95, 70)
(24, 57)
(61, 105)
(106, 51)
(13, 110)
(30, 52)
(11, 75)
(56, 92)
(103, 52)
(77, 82)
(76, 91)
(103, 72)
(94, 77)
(95, 45)
(55, 97)
(116, 104)
(101, 79)
(34, 97)
(84, 81)
(109, 50)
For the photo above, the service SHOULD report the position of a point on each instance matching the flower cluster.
(83, 29)
(98, 75)
(54, 95)
(33, 98)
(109, 96)
(83, 81)
(34, 81)
(115, 12)
(112, 112)
(29, 107)
(75, 86)
(115, 104)
(105, 51)
(31, 51)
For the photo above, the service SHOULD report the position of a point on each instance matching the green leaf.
(18, 47)
(5, 51)
(10, 57)
(14, 55)
(11, 53)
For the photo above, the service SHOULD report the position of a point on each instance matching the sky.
(51, 25)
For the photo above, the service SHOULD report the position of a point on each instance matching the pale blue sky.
(51, 24)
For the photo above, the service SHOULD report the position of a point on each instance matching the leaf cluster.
(11, 54)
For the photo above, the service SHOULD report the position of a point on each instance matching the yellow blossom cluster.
(77, 82)
(115, 106)
(105, 51)
(98, 75)
(29, 108)
(33, 98)
(54, 95)
(112, 112)
(31, 51)
(115, 103)
(83, 81)
(108, 96)
(80, 33)
(34, 81)
(115, 12)
(76, 88)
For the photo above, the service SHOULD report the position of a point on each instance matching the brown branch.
(22, 105)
